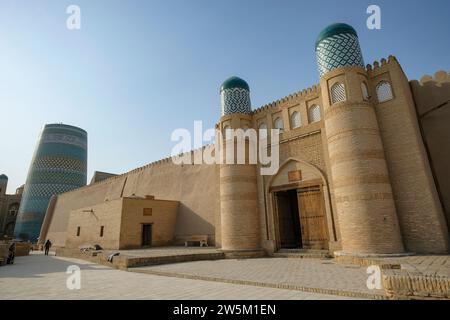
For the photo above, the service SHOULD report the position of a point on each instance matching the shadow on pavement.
(37, 264)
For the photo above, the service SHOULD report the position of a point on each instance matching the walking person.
(47, 246)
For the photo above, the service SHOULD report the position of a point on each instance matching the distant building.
(100, 176)
(9, 207)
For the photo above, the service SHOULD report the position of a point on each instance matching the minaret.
(362, 188)
(3, 184)
(240, 230)
(59, 165)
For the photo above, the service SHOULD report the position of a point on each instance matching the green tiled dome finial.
(234, 82)
(334, 29)
(235, 96)
(338, 46)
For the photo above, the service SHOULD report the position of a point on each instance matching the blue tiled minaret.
(59, 165)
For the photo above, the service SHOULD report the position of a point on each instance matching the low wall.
(22, 249)
(4, 252)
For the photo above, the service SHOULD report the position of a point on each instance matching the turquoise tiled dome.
(338, 46)
(235, 96)
(3, 177)
(234, 82)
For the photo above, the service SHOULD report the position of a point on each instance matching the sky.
(139, 69)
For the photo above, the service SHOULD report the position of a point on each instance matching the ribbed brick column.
(240, 230)
(239, 203)
(362, 189)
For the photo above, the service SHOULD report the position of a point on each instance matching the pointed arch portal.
(300, 203)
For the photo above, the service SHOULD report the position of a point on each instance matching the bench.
(86, 248)
(201, 239)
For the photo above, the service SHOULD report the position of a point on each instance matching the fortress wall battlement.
(136, 170)
(304, 94)
(431, 92)
(382, 66)
(163, 179)
(440, 77)
(432, 102)
(416, 200)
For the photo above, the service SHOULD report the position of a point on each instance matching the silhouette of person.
(47, 246)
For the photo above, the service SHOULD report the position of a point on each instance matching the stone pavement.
(44, 277)
(420, 277)
(312, 275)
(423, 265)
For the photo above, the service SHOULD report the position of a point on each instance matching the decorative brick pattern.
(235, 100)
(338, 51)
(59, 165)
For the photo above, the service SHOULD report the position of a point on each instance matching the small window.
(227, 132)
(278, 124)
(263, 126)
(78, 231)
(263, 131)
(365, 91)
(384, 91)
(314, 114)
(295, 120)
(102, 229)
(338, 93)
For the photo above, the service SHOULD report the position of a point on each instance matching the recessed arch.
(314, 113)
(272, 216)
(384, 91)
(338, 93)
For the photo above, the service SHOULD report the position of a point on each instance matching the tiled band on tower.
(238, 190)
(363, 193)
(58, 165)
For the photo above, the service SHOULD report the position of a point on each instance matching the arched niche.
(295, 174)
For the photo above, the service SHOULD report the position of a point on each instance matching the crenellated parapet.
(154, 164)
(438, 78)
(431, 92)
(379, 67)
(304, 94)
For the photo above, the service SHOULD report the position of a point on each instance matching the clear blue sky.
(137, 70)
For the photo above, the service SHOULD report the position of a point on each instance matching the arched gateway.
(300, 205)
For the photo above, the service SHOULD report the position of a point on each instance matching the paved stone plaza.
(40, 277)
(315, 275)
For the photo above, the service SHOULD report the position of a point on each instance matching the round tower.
(362, 189)
(3, 184)
(59, 165)
(238, 187)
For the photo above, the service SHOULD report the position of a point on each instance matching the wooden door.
(288, 220)
(313, 222)
(146, 235)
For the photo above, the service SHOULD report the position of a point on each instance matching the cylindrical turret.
(59, 165)
(3, 184)
(362, 188)
(238, 187)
